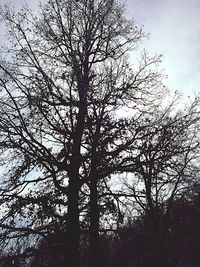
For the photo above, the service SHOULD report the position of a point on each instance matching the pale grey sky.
(175, 32)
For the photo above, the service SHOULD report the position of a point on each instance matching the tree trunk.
(95, 255)
(73, 226)
(156, 252)
(72, 256)
(157, 256)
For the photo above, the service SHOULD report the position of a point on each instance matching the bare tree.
(64, 80)
(165, 165)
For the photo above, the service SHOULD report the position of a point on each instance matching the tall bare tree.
(64, 81)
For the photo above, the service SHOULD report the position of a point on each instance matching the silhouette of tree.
(65, 80)
(166, 166)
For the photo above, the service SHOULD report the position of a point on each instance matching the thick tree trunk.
(157, 256)
(95, 254)
(73, 227)
(72, 256)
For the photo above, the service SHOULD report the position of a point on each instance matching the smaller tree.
(166, 164)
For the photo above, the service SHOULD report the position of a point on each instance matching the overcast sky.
(175, 32)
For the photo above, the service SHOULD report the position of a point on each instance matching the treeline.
(96, 154)
(131, 244)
